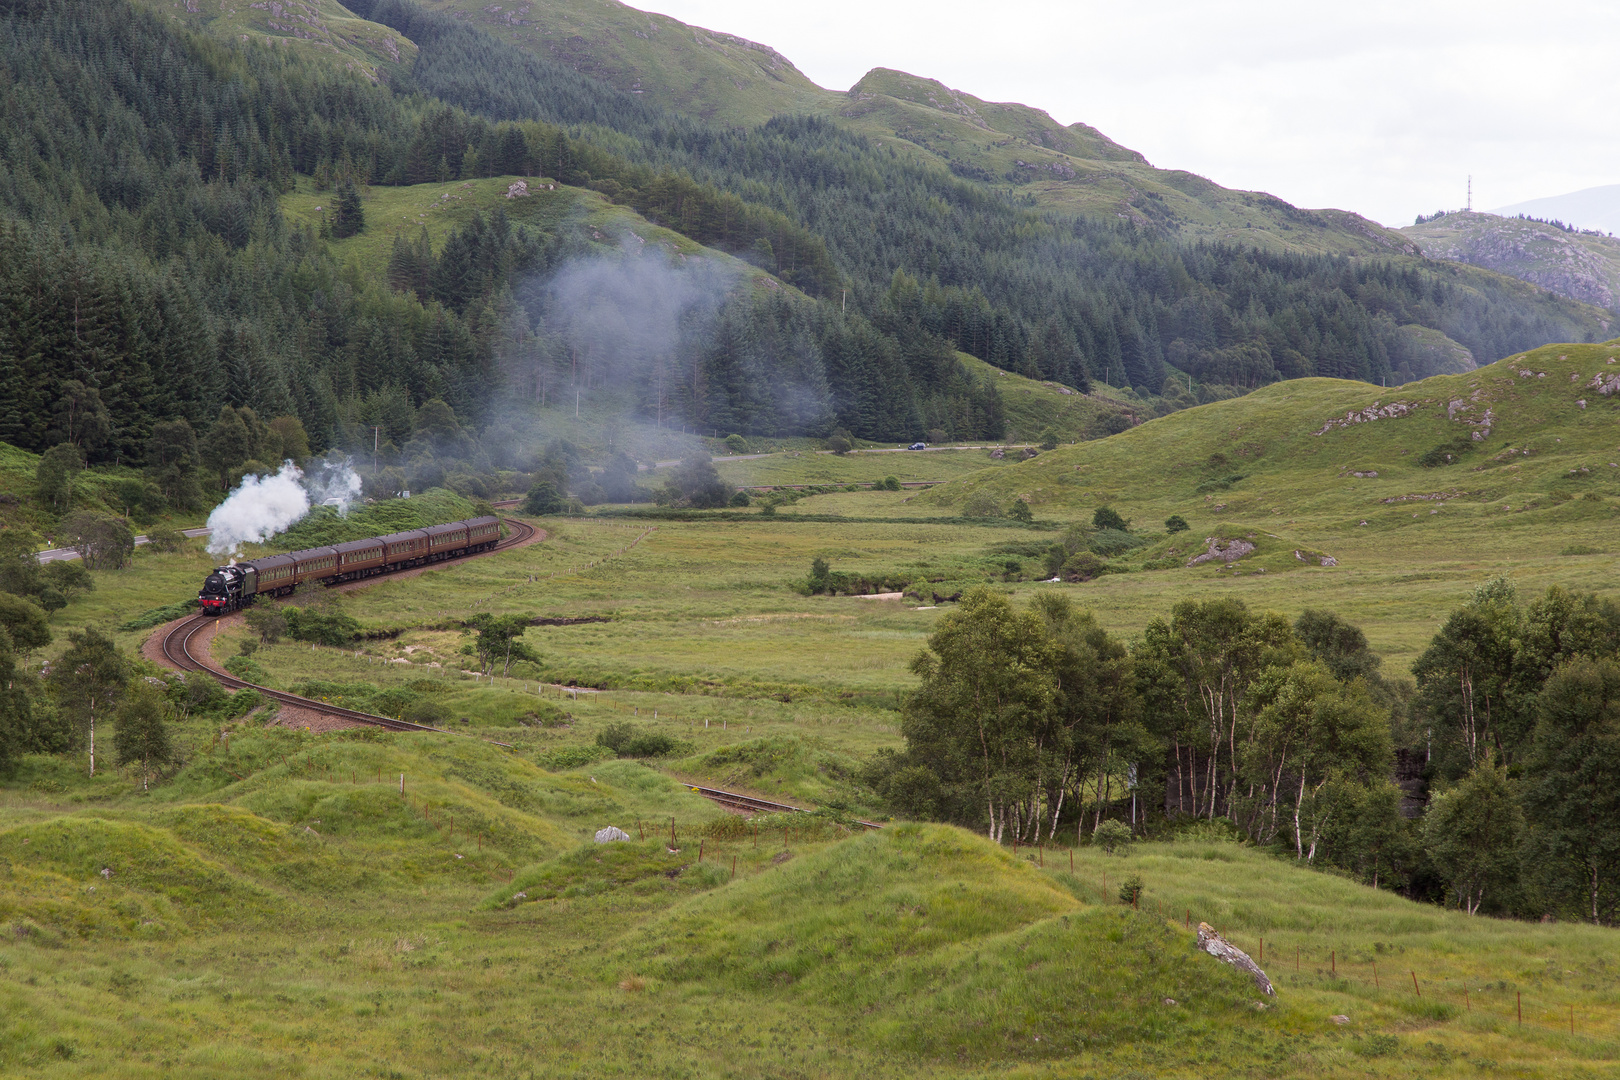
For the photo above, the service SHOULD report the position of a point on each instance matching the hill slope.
(1581, 265)
(721, 78)
(319, 28)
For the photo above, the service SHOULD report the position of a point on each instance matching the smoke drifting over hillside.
(264, 506)
(627, 324)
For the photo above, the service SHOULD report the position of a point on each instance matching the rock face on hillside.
(1221, 949)
(1583, 266)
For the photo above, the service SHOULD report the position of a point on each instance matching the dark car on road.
(918, 446)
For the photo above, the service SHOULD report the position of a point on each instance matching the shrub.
(1130, 890)
(982, 504)
(1176, 523)
(768, 510)
(572, 757)
(268, 623)
(543, 498)
(1019, 511)
(838, 445)
(164, 539)
(103, 542)
(1113, 542)
(1110, 835)
(740, 499)
(247, 670)
(1049, 439)
(1107, 517)
(321, 628)
(890, 483)
(736, 444)
(1082, 566)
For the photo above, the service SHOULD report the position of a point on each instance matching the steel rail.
(734, 801)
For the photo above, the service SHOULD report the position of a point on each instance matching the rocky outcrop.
(1225, 551)
(1221, 949)
(1580, 265)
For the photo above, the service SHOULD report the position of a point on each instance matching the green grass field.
(277, 907)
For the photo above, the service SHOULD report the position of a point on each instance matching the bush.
(740, 499)
(1107, 517)
(267, 622)
(247, 670)
(1113, 542)
(1082, 566)
(1130, 890)
(1176, 523)
(164, 539)
(572, 757)
(321, 628)
(1049, 439)
(838, 445)
(104, 543)
(981, 504)
(158, 615)
(768, 510)
(890, 483)
(1112, 834)
(1019, 511)
(736, 444)
(543, 499)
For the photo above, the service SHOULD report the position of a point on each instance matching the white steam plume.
(258, 509)
(263, 506)
(333, 482)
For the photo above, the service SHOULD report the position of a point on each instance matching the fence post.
(734, 866)
(1415, 989)
(1375, 975)
(1333, 963)
(1518, 1000)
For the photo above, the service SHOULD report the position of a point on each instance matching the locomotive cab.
(222, 590)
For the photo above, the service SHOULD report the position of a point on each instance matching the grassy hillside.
(278, 909)
(320, 28)
(1581, 265)
(550, 208)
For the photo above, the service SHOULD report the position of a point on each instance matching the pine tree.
(348, 218)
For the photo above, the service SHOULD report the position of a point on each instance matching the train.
(231, 588)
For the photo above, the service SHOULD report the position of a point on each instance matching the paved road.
(55, 554)
(863, 450)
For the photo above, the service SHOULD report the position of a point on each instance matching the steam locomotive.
(236, 586)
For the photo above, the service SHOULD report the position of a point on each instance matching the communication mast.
(1470, 191)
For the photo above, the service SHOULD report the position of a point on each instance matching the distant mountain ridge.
(721, 78)
(1580, 265)
(1589, 208)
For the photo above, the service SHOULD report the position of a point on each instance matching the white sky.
(1383, 107)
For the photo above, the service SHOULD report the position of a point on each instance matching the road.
(865, 450)
(57, 554)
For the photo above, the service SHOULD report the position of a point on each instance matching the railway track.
(176, 646)
(733, 801)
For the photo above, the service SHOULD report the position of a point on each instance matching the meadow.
(366, 903)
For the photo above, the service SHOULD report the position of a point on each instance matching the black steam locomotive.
(238, 585)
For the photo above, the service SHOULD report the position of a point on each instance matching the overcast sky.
(1383, 107)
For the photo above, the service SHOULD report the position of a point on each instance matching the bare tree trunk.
(1299, 840)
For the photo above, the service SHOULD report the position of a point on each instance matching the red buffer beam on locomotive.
(232, 587)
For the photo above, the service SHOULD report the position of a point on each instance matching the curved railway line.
(176, 646)
(733, 801)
